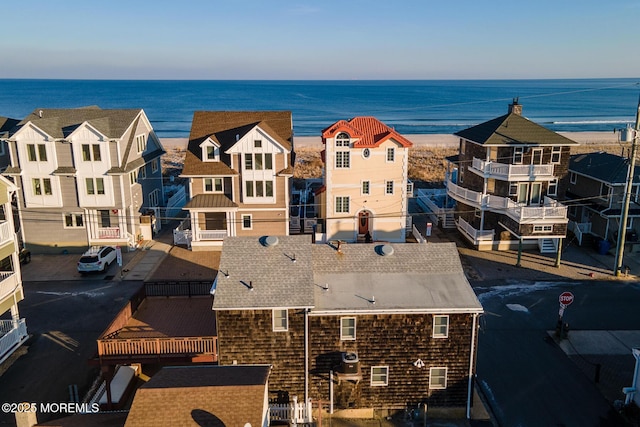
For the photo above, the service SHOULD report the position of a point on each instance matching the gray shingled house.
(85, 176)
(377, 326)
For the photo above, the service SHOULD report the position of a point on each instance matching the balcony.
(477, 237)
(11, 337)
(8, 284)
(6, 233)
(508, 172)
(109, 233)
(551, 210)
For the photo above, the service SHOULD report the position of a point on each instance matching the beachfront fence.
(293, 412)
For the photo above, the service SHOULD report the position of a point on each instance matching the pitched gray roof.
(603, 167)
(262, 276)
(60, 123)
(414, 278)
(200, 201)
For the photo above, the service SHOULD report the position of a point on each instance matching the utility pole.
(622, 231)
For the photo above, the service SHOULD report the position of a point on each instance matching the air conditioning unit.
(350, 363)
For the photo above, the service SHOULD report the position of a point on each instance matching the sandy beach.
(427, 140)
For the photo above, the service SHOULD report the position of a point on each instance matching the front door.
(363, 222)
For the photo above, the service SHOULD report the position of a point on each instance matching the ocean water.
(411, 107)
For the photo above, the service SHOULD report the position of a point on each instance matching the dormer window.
(342, 140)
(210, 152)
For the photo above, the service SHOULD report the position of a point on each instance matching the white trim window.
(391, 154)
(91, 152)
(247, 222)
(212, 185)
(543, 228)
(573, 177)
(41, 186)
(73, 220)
(388, 187)
(366, 188)
(343, 159)
(142, 172)
(154, 197)
(347, 328)
(37, 152)
(133, 177)
(343, 140)
(258, 188)
(280, 319)
(513, 188)
(437, 378)
(211, 153)
(257, 143)
(94, 186)
(556, 154)
(379, 376)
(552, 189)
(141, 143)
(154, 166)
(342, 204)
(440, 326)
(518, 153)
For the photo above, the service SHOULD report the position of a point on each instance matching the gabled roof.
(202, 395)
(6, 125)
(513, 129)
(369, 131)
(603, 167)
(60, 123)
(225, 127)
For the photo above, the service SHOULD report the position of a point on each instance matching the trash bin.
(603, 247)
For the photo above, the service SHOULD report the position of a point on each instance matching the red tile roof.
(369, 132)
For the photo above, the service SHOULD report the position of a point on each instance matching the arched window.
(342, 140)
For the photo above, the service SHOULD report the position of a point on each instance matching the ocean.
(411, 107)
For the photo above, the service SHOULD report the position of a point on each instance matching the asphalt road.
(527, 378)
(64, 319)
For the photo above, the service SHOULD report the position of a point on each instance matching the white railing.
(212, 234)
(551, 209)
(293, 412)
(476, 236)
(182, 234)
(10, 336)
(6, 233)
(509, 172)
(176, 201)
(417, 234)
(8, 283)
(109, 233)
(580, 229)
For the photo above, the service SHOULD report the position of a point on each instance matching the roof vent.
(385, 250)
(270, 241)
(40, 113)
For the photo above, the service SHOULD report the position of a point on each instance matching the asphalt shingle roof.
(603, 167)
(513, 129)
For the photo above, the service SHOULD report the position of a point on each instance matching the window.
(555, 154)
(246, 222)
(438, 378)
(133, 177)
(73, 220)
(342, 204)
(342, 159)
(37, 152)
(248, 188)
(342, 140)
(153, 197)
(257, 143)
(280, 320)
(379, 375)
(212, 153)
(389, 187)
(248, 161)
(391, 154)
(142, 172)
(542, 228)
(517, 155)
(604, 190)
(94, 186)
(91, 152)
(268, 161)
(258, 163)
(347, 328)
(366, 187)
(154, 166)
(259, 188)
(513, 188)
(42, 186)
(268, 188)
(141, 143)
(366, 153)
(462, 146)
(573, 177)
(440, 326)
(552, 190)
(213, 185)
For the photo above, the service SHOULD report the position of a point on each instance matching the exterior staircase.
(449, 220)
(548, 246)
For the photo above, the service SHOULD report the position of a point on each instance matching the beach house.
(239, 164)
(595, 193)
(510, 176)
(6, 124)
(358, 325)
(85, 176)
(364, 196)
(13, 330)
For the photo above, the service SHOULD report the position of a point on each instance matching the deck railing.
(157, 346)
(109, 233)
(510, 172)
(6, 233)
(212, 234)
(10, 336)
(474, 235)
(8, 283)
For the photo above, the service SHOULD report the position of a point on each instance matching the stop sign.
(566, 298)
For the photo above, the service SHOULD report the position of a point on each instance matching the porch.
(12, 335)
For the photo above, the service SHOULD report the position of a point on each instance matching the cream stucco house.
(365, 181)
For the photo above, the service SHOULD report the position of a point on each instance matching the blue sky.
(359, 39)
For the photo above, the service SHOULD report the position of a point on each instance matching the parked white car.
(97, 258)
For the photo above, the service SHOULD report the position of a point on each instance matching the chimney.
(515, 107)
